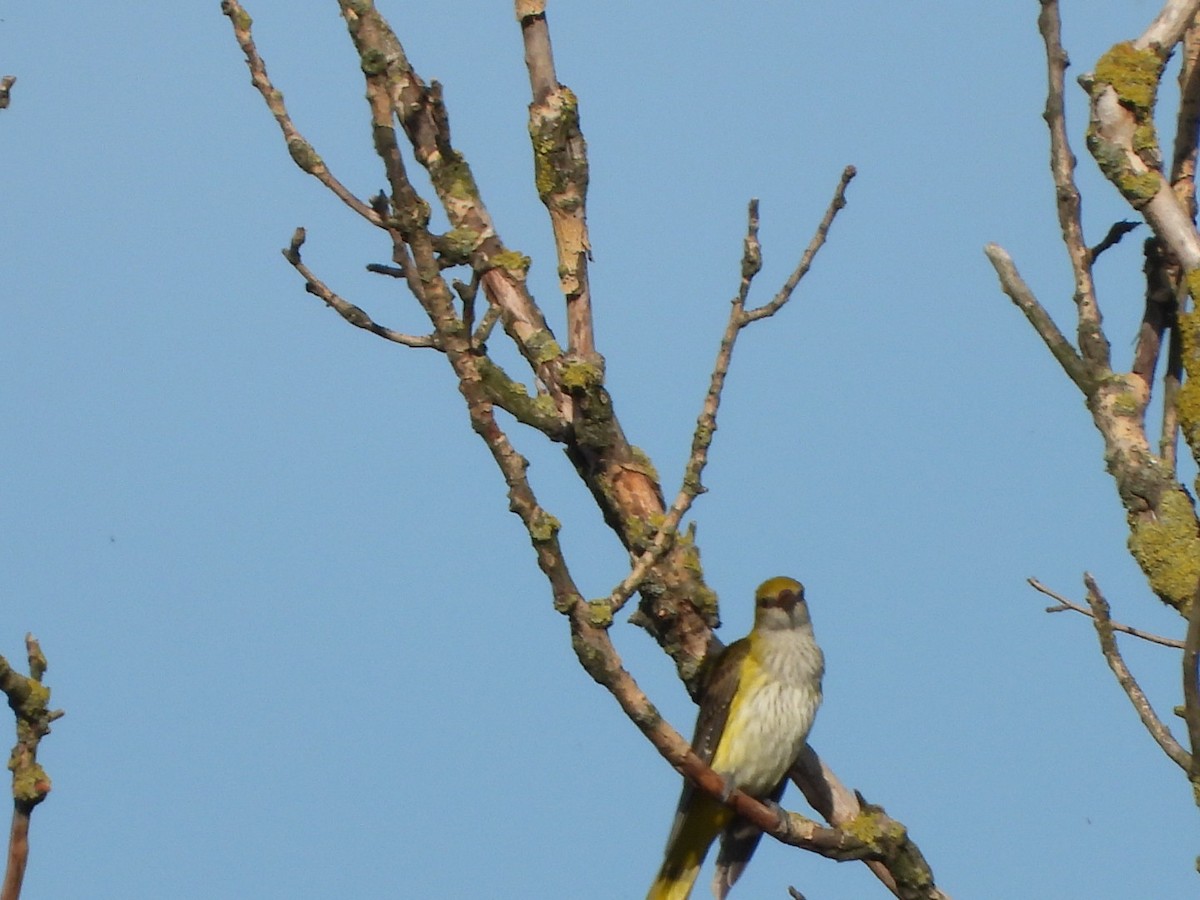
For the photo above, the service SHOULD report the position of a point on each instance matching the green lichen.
(30, 783)
(1132, 73)
(373, 62)
(544, 527)
(643, 462)
(543, 348)
(1138, 188)
(1187, 401)
(513, 396)
(304, 155)
(456, 245)
(511, 261)
(600, 613)
(553, 129)
(705, 601)
(1193, 283)
(1126, 405)
(689, 554)
(1167, 547)
(454, 178)
(578, 376)
(241, 19)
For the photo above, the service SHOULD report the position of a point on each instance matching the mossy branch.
(29, 700)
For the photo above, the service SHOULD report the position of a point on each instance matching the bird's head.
(779, 603)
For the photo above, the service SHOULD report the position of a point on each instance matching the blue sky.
(303, 647)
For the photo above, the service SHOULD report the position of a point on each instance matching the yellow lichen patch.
(544, 527)
(511, 261)
(581, 376)
(1187, 401)
(543, 347)
(1133, 74)
(1167, 547)
(600, 613)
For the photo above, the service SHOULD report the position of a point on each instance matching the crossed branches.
(1164, 532)
(568, 403)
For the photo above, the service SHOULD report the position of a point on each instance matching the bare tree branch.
(1169, 25)
(1191, 691)
(706, 423)
(1011, 282)
(1121, 137)
(347, 310)
(29, 700)
(1092, 343)
(1065, 605)
(806, 258)
(1164, 531)
(560, 174)
(301, 150)
(1115, 233)
(1108, 646)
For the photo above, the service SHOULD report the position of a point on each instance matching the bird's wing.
(715, 699)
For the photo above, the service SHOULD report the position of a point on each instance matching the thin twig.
(1092, 345)
(389, 271)
(1014, 285)
(806, 258)
(1115, 233)
(1108, 646)
(301, 150)
(1191, 687)
(706, 423)
(1168, 441)
(1065, 605)
(355, 315)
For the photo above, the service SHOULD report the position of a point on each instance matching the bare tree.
(568, 403)
(1122, 136)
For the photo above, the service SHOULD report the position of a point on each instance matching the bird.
(757, 705)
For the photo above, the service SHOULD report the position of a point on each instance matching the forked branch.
(29, 700)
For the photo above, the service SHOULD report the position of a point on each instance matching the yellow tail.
(694, 831)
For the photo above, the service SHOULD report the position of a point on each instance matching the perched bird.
(756, 708)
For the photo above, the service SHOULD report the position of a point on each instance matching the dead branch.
(706, 423)
(560, 173)
(1108, 646)
(1158, 509)
(347, 310)
(1011, 282)
(1092, 344)
(301, 150)
(1065, 605)
(1191, 690)
(29, 700)
(1115, 233)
